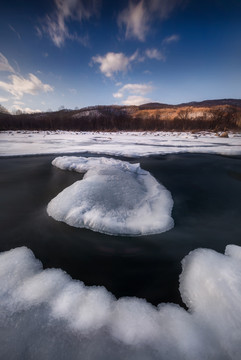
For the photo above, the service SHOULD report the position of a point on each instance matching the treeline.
(218, 120)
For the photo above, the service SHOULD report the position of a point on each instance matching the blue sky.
(76, 53)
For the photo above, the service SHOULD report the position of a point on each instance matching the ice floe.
(114, 197)
(130, 144)
(44, 314)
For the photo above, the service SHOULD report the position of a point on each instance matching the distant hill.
(154, 105)
(214, 115)
(204, 103)
(211, 103)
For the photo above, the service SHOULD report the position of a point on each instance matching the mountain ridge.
(214, 115)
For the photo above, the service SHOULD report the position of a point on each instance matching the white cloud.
(55, 25)
(4, 64)
(112, 63)
(18, 85)
(3, 99)
(170, 39)
(136, 100)
(155, 54)
(118, 95)
(25, 110)
(137, 17)
(136, 91)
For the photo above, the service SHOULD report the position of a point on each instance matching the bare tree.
(184, 114)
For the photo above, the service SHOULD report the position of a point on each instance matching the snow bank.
(120, 144)
(44, 314)
(114, 197)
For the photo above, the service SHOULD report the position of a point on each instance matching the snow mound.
(44, 314)
(114, 197)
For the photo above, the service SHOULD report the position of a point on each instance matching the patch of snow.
(88, 113)
(44, 314)
(199, 114)
(114, 197)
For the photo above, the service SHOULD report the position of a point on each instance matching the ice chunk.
(234, 251)
(114, 197)
(44, 314)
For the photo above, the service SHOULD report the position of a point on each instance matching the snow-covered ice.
(44, 314)
(130, 144)
(114, 197)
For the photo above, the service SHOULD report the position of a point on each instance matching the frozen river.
(96, 297)
(206, 190)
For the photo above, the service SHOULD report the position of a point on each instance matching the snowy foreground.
(114, 197)
(120, 144)
(44, 314)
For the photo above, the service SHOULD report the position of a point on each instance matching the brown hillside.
(185, 112)
(214, 116)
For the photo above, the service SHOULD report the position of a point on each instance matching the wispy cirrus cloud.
(112, 63)
(15, 31)
(4, 64)
(138, 16)
(18, 85)
(171, 39)
(38, 32)
(3, 99)
(72, 90)
(135, 20)
(55, 25)
(155, 54)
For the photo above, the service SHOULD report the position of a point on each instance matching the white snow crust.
(114, 197)
(44, 314)
(130, 144)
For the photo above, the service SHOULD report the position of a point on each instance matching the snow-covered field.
(127, 144)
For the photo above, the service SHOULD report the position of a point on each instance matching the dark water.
(207, 212)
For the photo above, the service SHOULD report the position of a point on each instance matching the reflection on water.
(206, 212)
